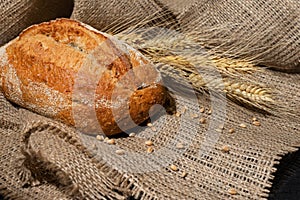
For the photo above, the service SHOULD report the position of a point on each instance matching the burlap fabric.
(265, 32)
(18, 15)
(44, 159)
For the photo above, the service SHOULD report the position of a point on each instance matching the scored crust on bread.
(40, 69)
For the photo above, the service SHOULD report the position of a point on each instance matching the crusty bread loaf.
(70, 72)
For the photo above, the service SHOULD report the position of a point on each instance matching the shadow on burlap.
(44, 159)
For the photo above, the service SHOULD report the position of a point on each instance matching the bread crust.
(46, 62)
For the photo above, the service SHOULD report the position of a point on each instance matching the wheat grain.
(184, 174)
(120, 152)
(243, 125)
(111, 141)
(150, 150)
(225, 149)
(149, 124)
(231, 130)
(149, 143)
(202, 120)
(256, 123)
(179, 146)
(202, 109)
(234, 67)
(209, 111)
(153, 129)
(174, 168)
(100, 137)
(178, 114)
(194, 116)
(232, 191)
(218, 130)
(132, 134)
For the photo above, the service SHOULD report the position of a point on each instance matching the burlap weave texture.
(44, 159)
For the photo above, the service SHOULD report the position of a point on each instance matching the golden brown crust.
(44, 62)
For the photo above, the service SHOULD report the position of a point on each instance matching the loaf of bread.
(68, 71)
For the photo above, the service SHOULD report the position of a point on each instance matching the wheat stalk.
(180, 56)
(245, 92)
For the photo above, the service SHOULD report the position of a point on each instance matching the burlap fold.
(18, 15)
(191, 159)
(266, 32)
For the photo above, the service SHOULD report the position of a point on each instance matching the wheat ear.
(237, 89)
(234, 66)
(180, 56)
